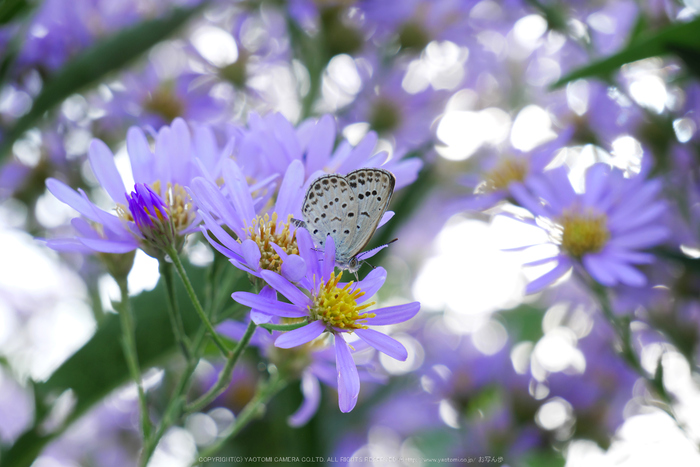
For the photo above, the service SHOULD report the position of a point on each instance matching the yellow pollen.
(338, 307)
(509, 170)
(165, 103)
(264, 232)
(583, 232)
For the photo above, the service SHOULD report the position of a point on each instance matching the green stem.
(166, 271)
(218, 341)
(175, 407)
(129, 347)
(255, 408)
(225, 376)
(628, 352)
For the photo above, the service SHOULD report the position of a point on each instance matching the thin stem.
(218, 341)
(129, 347)
(225, 376)
(628, 352)
(166, 271)
(175, 407)
(254, 408)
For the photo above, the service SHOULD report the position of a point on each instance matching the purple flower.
(156, 100)
(601, 229)
(263, 241)
(159, 197)
(313, 362)
(271, 143)
(333, 307)
(500, 174)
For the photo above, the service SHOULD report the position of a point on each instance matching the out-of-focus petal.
(549, 277)
(311, 389)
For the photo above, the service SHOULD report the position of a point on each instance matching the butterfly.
(348, 208)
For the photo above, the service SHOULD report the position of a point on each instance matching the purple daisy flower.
(500, 174)
(156, 101)
(159, 210)
(313, 362)
(271, 143)
(264, 241)
(601, 229)
(332, 307)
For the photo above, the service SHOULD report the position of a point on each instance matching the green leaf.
(107, 55)
(283, 327)
(524, 323)
(10, 9)
(99, 366)
(683, 36)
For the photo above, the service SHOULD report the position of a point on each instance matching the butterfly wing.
(373, 189)
(328, 203)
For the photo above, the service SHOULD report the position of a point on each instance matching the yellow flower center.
(264, 232)
(164, 103)
(509, 170)
(583, 233)
(338, 307)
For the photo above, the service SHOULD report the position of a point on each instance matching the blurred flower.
(159, 211)
(601, 229)
(151, 99)
(334, 308)
(503, 172)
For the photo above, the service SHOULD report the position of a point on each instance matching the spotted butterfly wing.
(328, 204)
(373, 189)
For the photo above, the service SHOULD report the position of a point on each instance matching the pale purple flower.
(601, 229)
(336, 308)
(271, 143)
(316, 358)
(161, 177)
(262, 239)
(502, 172)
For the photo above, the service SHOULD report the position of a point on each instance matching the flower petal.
(320, 147)
(140, 155)
(383, 343)
(301, 335)
(549, 277)
(394, 314)
(348, 378)
(289, 196)
(272, 307)
(238, 191)
(286, 288)
(386, 217)
(251, 253)
(598, 267)
(371, 284)
(108, 246)
(294, 268)
(328, 258)
(69, 196)
(311, 389)
(102, 163)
